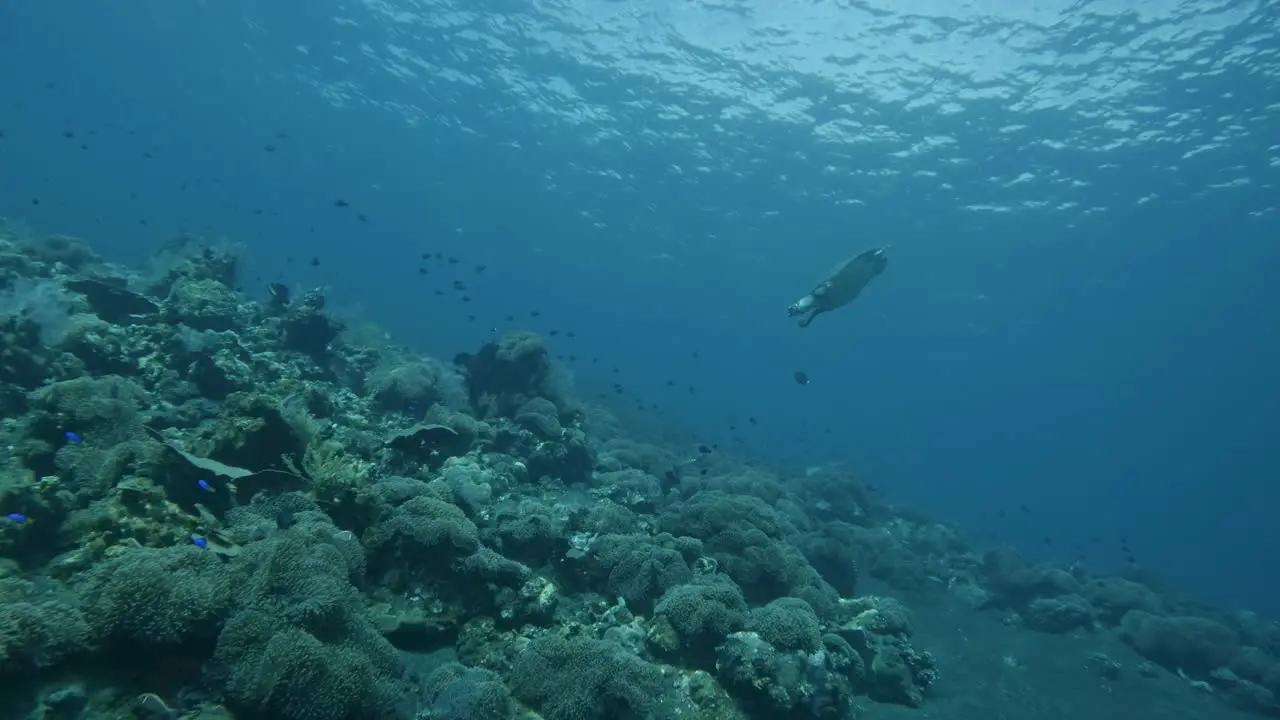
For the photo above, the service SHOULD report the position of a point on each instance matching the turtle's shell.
(846, 281)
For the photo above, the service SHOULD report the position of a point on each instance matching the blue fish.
(204, 485)
(199, 542)
(17, 517)
(72, 437)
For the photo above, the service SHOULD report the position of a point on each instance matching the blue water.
(1081, 310)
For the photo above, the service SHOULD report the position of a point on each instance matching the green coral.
(332, 471)
(301, 646)
(788, 624)
(705, 611)
(584, 678)
(157, 596)
(427, 523)
(457, 691)
(37, 630)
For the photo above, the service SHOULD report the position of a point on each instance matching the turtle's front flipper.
(801, 306)
(804, 321)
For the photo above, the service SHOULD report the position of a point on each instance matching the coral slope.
(220, 508)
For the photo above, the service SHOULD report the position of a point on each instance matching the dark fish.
(315, 262)
(279, 294)
(704, 449)
(802, 377)
(341, 203)
(285, 520)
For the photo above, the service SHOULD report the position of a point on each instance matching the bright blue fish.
(72, 437)
(204, 485)
(199, 542)
(17, 517)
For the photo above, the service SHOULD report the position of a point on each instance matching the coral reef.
(219, 508)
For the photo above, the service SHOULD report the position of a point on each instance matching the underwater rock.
(1243, 694)
(428, 444)
(305, 326)
(569, 459)
(412, 629)
(411, 386)
(228, 480)
(1113, 597)
(114, 303)
(1058, 615)
(203, 305)
(895, 671)
(891, 678)
(503, 376)
(191, 258)
(540, 417)
(1196, 645)
(776, 683)
(65, 703)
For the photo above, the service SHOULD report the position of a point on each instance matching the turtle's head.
(877, 260)
(800, 306)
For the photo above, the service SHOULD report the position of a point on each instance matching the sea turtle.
(840, 286)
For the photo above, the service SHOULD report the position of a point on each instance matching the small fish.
(285, 520)
(704, 449)
(71, 437)
(199, 541)
(204, 485)
(802, 377)
(17, 517)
